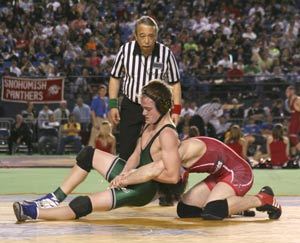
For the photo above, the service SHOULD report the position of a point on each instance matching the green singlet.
(134, 195)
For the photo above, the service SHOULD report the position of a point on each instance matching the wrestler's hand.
(175, 118)
(116, 182)
(120, 180)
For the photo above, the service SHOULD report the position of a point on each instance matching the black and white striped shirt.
(136, 70)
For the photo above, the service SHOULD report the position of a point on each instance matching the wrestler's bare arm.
(166, 170)
(142, 174)
(169, 143)
(169, 164)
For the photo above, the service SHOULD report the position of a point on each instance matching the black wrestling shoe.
(247, 213)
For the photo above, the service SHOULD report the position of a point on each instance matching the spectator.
(47, 68)
(221, 126)
(30, 111)
(184, 133)
(15, 69)
(277, 111)
(194, 132)
(91, 45)
(93, 60)
(255, 139)
(81, 86)
(187, 109)
(278, 147)
(211, 110)
(99, 109)
(236, 111)
(256, 111)
(19, 133)
(225, 61)
(30, 117)
(251, 69)
(235, 140)
(44, 115)
(48, 136)
(70, 135)
(106, 141)
(198, 122)
(61, 29)
(49, 33)
(235, 74)
(27, 69)
(249, 34)
(62, 113)
(82, 114)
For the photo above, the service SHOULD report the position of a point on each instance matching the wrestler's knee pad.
(216, 210)
(85, 158)
(188, 211)
(81, 206)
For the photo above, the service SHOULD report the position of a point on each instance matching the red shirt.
(99, 145)
(94, 61)
(235, 74)
(278, 153)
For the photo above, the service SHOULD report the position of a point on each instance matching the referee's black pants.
(132, 120)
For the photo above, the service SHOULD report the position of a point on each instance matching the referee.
(136, 63)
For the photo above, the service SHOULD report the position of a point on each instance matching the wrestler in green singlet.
(135, 195)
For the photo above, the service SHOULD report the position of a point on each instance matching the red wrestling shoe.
(269, 203)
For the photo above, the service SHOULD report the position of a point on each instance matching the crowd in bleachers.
(235, 50)
(257, 133)
(213, 41)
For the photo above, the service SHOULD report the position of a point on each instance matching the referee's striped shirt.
(136, 70)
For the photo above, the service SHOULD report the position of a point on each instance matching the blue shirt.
(100, 106)
(82, 113)
(251, 129)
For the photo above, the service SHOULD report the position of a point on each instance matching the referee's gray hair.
(146, 20)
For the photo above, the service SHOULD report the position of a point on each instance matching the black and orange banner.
(41, 90)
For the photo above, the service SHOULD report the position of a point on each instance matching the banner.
(41, 90)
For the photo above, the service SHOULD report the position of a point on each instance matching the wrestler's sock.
(60, 195)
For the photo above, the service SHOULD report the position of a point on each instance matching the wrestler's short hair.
(146, 20)
(160, 93)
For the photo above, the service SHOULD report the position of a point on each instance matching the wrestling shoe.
(25, 212)
(269, 203)
(247, 213)
(48, 201)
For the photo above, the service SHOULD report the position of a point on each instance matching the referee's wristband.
(176, 109)
(113, 103)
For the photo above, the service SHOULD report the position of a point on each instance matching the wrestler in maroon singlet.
(294, 125)
(225, 165)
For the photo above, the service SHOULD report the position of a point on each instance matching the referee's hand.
(175, 118)
(114, 116)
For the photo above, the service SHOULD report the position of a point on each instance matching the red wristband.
(176, 109)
